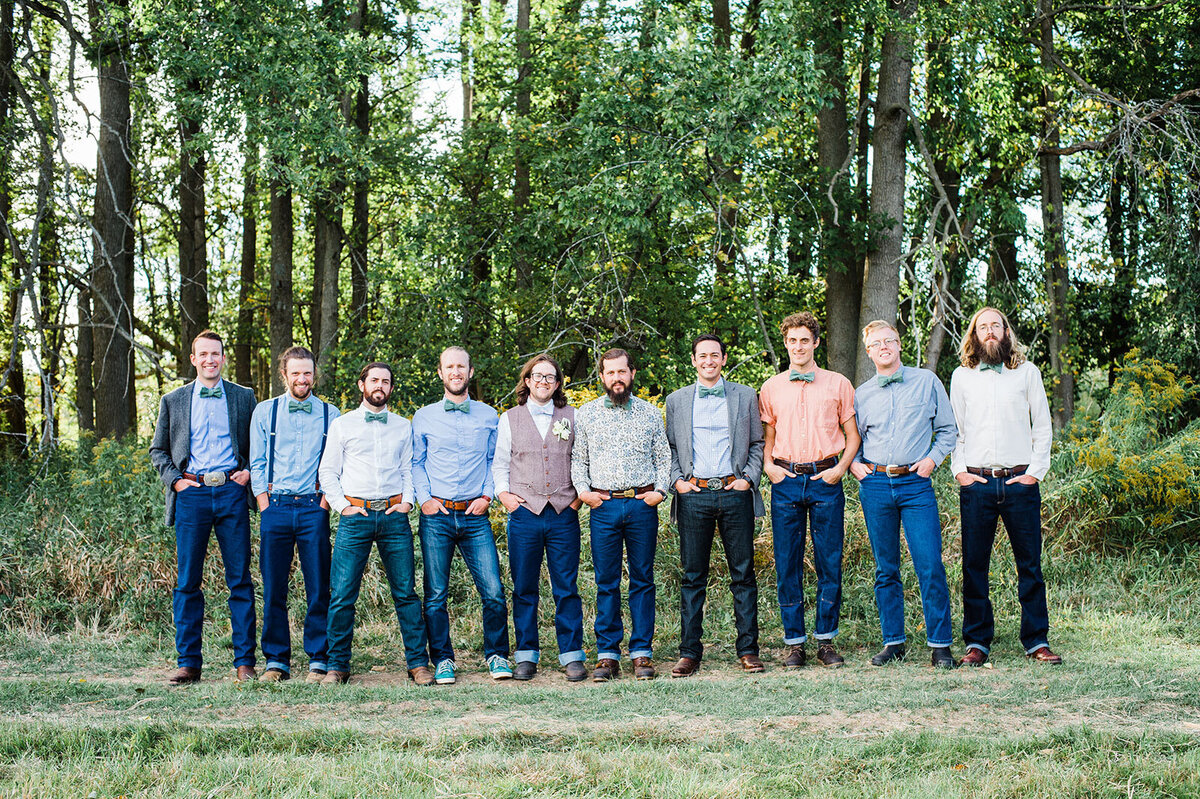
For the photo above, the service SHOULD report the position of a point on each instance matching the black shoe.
(828, 656)
(888, 654)
(525, 670)
(796, 658)
(576, 671)
(942, 659)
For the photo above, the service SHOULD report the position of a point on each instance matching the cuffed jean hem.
(934, 645)
(825, 636)
(641, 653)
(527, 656)
(897, 642)
(980, 647)
(795, 641)
(317, 665)
(575, 656)
(608, 656)
(340, 667)
(246, 661)
(275, 664)
(1036, 647)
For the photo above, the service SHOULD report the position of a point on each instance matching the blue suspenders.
(271, 443)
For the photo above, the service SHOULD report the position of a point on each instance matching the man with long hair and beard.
(1001, 455)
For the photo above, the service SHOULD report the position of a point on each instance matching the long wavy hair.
(522, 391)
(970, 350)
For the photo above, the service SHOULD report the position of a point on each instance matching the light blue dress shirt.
(297, 445)
(211, 444)
(906, 421)
(711, 454)
(452, 452)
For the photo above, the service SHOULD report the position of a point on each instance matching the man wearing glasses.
(532, 474)
(907, 429)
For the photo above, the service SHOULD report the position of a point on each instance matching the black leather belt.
(624, 493)
(891, 470)
(795, 467)
(1013, 472)
(376, 504)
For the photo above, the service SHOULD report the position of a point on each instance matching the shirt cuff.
(337, 503)
(422, 497)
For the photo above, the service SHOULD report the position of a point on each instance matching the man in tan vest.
(532, 473)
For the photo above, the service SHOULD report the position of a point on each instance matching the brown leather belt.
(892, 470)
(796, 467)
(211, 478)
(625, 493)
(1013, 472)
(376, 504)
(455, 504)
(712, 483)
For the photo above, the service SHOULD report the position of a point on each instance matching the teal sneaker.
(444, 675)
(499, 668)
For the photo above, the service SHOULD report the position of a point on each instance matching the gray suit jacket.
(172, 443)
(745, 437)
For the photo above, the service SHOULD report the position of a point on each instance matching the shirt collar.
(540, 410)
(365, 408)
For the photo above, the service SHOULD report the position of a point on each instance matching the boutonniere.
(562, 429)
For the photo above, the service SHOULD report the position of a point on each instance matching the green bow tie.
(998, 368)
(807, 377)
(294, 406)
(715, 391)
(464, 406)
(887, 380)
(608, 403)
(376, 417)
(215, 393)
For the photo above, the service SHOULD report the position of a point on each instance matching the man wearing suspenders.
(287, 439)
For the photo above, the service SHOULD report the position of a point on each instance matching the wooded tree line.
(609, 173)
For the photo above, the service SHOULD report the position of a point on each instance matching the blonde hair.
(968, 347)
(878, 324)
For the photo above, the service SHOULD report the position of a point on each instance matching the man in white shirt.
(1001, 455)
(366, 475)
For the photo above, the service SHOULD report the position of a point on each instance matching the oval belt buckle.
(214, 479)
(714, 484)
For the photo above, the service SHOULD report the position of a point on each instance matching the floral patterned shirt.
(620, 447)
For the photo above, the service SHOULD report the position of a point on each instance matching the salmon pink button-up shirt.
(808, 417)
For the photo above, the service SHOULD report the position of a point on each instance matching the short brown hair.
(968, 348)
(612, 355)
(210, 335)
(296, 353)
(803, 319)
(522, 391)
(362, 376)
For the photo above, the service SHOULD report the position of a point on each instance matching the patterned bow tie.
(715, 391)
(376, 417)
(464, 406)
(294, 406)
(807, 377)
(215, 393)
(998, 368)
(887, 380)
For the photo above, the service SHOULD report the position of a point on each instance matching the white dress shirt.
(542, 415)
(368, 460)
(1003, 419)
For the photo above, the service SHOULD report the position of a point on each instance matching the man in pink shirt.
(810, 441)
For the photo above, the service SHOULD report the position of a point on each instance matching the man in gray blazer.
(201, 449)
(716, 443)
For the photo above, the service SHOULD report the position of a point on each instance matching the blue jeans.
(557, 535)
(630, 525)
(392, 534)
(440, 534)
(888, 502)
(799, 502)
(199, 512)
(292, 524)
(1020, 506)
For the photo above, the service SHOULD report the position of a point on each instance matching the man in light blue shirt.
(907, 428)
(454, 441)
(287, 439)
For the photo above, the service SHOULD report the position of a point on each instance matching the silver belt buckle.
(714, 484)
(214, 479)
(377, 504)
(888, 469)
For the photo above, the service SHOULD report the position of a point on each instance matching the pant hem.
(980, 647)
(1036, 647)
(608, 656)
(275, 664)
(527, 656)
(641, 653)
(576, 656)
(896, 642)
(795, 641)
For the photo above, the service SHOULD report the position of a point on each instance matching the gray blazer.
(745, 437)
(172, 443)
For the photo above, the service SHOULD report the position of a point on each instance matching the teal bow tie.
(376, 417)
(608, 403)
(716, 391)
(998, 368)
(294, 406)
(807, 377)
(215, 393)
(464, 406)
(887, 380)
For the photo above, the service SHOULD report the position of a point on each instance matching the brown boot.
(606, 669)
(185, 675)
(796, 658)
(686, 667)
(751, 664)
(643, 669)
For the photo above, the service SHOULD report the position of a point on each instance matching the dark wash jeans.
(700, 514)
(201, 511)
(555, 535)
(630, 525)
(796, 503)
(1020, 506)
(294, 525)
(392, 535)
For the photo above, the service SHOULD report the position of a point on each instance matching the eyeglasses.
(890, 342)
(994, 327)
(541, 378)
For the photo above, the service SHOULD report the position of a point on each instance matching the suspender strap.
(271, 446)
(324, 435)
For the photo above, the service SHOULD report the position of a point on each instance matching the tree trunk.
(13, 421)
(112, 226)
(1054, 242)
(1003, 265)
(522, 190)
(193, 245)
(242, 348)
(327, 252)
(881, 278)
(359, 225)
(281, 274)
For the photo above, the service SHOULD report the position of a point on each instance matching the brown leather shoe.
(796, 658)
(752, 664)
(1043, 655)
(315, 676)
(606, 669)
(275, 675)
(335, 678)
(974, 657)
(246, 674)
(686, 667)
(421, 675)
(643, 669)
(184, 675)
(828, 656)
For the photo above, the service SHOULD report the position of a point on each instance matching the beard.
(377, 398)
(996, 352)
(462, 392)
(618, 392)
(296, 389)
